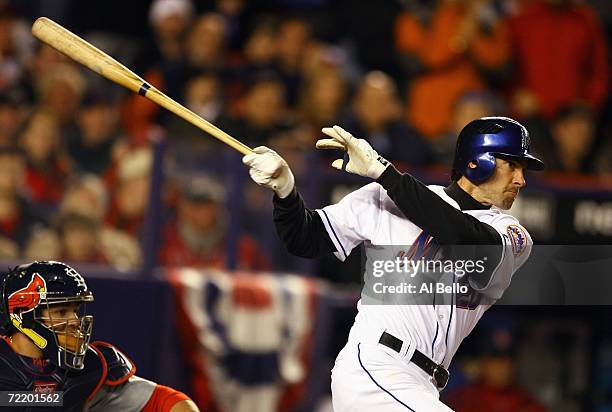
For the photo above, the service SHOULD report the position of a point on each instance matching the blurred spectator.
(162, 64)
(10, 71)
(190, 145)
(257, 58)
(13, 113)
(44, 60)
(468, 106)
(496, 388)
(464, 45)
(376, 115)
(47, 166)
(561, 55)
(205, 44)
(170, 20)
(262, 111)
(203, 95)
(234, 14)
(16, 47)
(60, 91)
(323, 95)
(130, 194)
(293, 39)
(43, 244)
(297, 147)
(573, 133)
(260, 49)
(86, 196)
(197, 235)
(83, 239)
(97, 139)
(18, 219)
(79, 238)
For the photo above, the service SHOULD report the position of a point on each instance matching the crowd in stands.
(76, 151)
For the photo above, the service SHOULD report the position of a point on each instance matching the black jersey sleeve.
(431, 213)
(301, 229)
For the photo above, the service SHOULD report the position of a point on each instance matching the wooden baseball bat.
(95, 59)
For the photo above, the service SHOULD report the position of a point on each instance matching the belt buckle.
(440, 377)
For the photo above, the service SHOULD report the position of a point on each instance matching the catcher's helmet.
(483, 139)
(29, 289)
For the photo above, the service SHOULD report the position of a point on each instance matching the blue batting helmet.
(483, 139)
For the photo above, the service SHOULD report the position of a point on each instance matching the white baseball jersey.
(370, 216)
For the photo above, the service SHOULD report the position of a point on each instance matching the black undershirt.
(303, 232)
(300, 229)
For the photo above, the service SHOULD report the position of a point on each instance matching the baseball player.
(397, 356)
(47, 349)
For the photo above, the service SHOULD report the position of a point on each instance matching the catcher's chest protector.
(19, 373)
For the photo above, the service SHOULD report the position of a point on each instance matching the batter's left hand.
(362, 159)
(268, 169)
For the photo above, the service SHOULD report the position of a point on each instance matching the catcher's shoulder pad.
(119, 367)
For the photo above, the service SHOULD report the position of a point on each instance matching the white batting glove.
(268, 169)
(362, 159)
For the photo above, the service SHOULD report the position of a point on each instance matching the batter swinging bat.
(83, 52)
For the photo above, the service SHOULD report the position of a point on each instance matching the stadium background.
(172, 233)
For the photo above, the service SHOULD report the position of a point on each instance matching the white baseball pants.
(370, 377)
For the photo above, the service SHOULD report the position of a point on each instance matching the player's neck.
(24, 346)
(474, 191)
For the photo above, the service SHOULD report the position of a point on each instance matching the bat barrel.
(95, 59)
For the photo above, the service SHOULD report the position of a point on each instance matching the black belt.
(437, 372)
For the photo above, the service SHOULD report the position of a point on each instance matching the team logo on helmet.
(28, 298)
(526, 140)
(76, 276)
(518, 239)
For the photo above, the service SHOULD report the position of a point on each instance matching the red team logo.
(27, 298)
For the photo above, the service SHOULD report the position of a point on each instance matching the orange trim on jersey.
(102, 377)
(163, 399)
(128, 375)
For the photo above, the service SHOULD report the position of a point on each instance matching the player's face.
(503, 187)
(65, 320)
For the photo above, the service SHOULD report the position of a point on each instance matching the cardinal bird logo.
(27, 298)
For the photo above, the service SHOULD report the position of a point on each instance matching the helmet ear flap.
(485, 165)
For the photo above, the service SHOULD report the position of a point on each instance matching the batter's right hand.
(362, 159)
(268, 169)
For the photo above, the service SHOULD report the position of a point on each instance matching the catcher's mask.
(46, 302)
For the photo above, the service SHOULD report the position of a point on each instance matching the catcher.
(47, 349)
